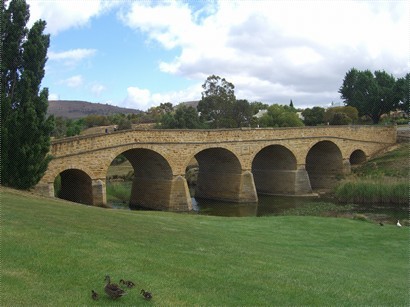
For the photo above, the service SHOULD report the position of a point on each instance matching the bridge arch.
(274, 170)
(220, 176)
(357, 157)
(133, 148)
(152, 180)
(75, 185)
(324, 161)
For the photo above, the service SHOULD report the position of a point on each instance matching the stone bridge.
(234, 164)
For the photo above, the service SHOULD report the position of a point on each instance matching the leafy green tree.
(25, 128)
(166, 107)
(167, 121)
(280, 116)
(154, 114)
(74, 127)
(219, 106)
(403, 92)
(60, 127)
(340, 118)
(95, 120)
(372, 94)
(124, 124)
(242, 113)
(313, 116)
(216, 105)
(257, 106)
(185, 117)
(351, 115)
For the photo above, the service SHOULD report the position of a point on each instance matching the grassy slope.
(394, 163)
(383, 179)
(54, 252)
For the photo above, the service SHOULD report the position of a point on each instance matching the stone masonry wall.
(93, 154)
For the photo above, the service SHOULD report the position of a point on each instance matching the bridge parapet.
(75, 145)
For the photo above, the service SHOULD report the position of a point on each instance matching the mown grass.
(54, 252)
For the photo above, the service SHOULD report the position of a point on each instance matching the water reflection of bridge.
(234, 164)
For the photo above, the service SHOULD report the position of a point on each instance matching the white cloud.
(143, 99)
(74, 81)
(53, 96)
(97, 89)
(71, 57)
(275, 51)
(138, 98)
(64, 14)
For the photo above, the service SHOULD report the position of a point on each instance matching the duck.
(127, 283)
(113, 290)
(398, 223)
(94, 295)
(381, 224)
(147, 295)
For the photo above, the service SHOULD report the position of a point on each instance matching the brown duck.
(147, 295)
(127, 283)
(113, 290)
(94, 295)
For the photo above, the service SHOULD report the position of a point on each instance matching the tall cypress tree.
(25, 126)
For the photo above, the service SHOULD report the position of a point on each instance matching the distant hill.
(77, 109)
(193, 103)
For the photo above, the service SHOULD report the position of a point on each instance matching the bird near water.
(113, 290)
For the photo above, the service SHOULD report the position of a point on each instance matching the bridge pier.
(180, 198)
(161, 194)
(98, 188)
(229, 187)
(347, 167)
(302, 181)
(77, 191)
(283, 182)
(45, 189)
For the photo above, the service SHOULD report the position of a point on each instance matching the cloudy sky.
(140, 53)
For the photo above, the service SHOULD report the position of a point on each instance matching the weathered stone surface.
(233, 163)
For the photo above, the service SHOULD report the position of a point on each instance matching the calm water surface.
(282, 205)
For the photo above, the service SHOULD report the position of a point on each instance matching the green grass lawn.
(54, 252)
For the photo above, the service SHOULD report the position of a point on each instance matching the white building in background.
(260, 113)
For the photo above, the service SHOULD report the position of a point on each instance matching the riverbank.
(383, 179)
(59, 251)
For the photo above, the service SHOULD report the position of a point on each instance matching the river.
(282, 205)
(289, 205)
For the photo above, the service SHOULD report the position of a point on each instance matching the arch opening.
(119, 178)
(144, 179)
(324, 162)
(219, 175)
(74, 185)
(274, 170)
(357, 157)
